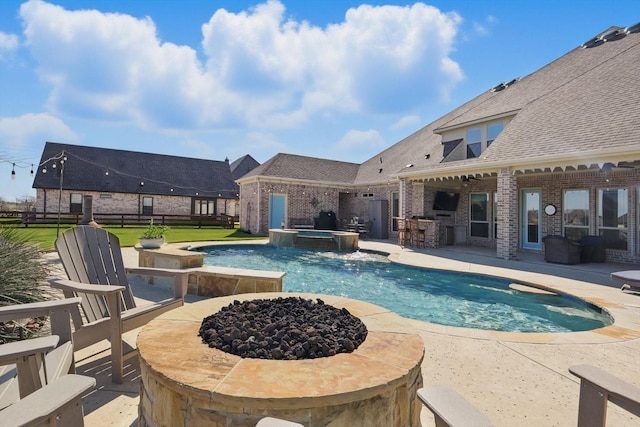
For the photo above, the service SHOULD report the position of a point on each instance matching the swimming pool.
(442, 297)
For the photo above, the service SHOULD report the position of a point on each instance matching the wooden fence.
(122, 219)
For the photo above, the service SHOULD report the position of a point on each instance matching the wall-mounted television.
(445, 201)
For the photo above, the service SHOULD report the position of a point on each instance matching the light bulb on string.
(13, 172)
(31, 169)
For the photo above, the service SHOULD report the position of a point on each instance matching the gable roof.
(580, 110)
(576, 111)
(119, 171)
(303, 168)
(243, 166)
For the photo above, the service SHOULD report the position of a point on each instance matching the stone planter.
(151, 243)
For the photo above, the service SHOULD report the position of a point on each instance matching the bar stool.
(404, 236)
(417, 234)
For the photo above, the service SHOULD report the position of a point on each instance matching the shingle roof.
(86, 170)
(243, 166)
(598, 109)
(584, 104)
(296, 167)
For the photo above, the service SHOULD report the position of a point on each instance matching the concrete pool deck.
(515, 379)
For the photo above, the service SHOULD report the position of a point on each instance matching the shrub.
(154, 231)
(22, 280)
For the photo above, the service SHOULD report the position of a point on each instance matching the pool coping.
(622, 307)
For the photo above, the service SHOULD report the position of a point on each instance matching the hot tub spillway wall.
(314, 239)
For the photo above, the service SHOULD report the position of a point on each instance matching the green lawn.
(45, 235)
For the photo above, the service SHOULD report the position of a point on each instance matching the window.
(613, 217)
(474, 142)
(493, 130)
(204, 207)
(75, 205)
(395, 209)
(147, 205)
(575, 214)
(479, 139)
(479, 218)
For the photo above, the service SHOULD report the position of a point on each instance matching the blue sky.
(220, 79)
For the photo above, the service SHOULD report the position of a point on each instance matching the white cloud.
(8, 43)
(31, 130)
(357, 139)
(405, 122)
(260, 69)
(484, 29)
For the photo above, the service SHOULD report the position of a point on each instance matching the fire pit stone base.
(187, 383)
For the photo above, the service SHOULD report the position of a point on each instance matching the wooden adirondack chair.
(93, 262)
(597, 389)
(35, 388)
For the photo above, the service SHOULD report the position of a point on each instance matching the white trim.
(476, 122)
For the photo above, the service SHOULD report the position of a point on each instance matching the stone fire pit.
(185, 382)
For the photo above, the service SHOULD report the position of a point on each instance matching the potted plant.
(153, 236)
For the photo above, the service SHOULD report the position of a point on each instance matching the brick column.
(417, 207)
(508, 226)
(406, 198)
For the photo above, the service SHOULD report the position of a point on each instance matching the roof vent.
(507, 84)
(504, 85)
(633, 29)
(614, 34)
(596, 41)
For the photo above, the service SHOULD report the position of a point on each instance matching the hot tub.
(314, 239)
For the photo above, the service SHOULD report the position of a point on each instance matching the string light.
(56, 162)
(16, 164)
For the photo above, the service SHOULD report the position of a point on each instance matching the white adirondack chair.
(36, 384)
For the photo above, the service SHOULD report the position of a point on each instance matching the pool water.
(442, 297)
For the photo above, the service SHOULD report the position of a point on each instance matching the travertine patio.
(515, 379)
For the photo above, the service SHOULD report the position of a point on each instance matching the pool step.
(530, 289)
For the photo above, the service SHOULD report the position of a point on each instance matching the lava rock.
(289, 328)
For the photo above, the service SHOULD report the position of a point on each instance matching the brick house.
(554, 152)
(131, 182)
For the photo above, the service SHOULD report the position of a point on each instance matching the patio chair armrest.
(450, 408)
(37, 309)
(70, 285)
(160, 272)
(12, 351)
(28, 357)
(56, 400)
(597, 384)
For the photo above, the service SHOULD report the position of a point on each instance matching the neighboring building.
(130, 182)
(555, 152)
(243, 166)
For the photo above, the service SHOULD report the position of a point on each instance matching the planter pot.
(151, 243)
